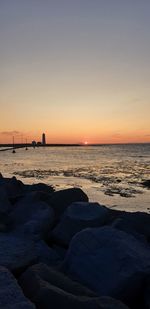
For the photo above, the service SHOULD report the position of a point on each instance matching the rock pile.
(57, 250)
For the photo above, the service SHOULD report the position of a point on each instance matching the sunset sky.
(78, 70)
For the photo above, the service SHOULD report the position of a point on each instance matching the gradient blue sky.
(78, 70)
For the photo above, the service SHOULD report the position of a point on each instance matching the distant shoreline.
(17, 146)
(20, 145)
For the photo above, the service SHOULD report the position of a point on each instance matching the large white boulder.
(77, 217)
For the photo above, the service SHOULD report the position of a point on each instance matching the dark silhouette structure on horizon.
(13, 151)
(43, 139)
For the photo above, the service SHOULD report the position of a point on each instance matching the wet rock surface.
(146, 183)
(122, 178)
(67, 252)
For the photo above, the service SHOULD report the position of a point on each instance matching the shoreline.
(139, 202)
(94, 191)
(23, 145)
(114, 178)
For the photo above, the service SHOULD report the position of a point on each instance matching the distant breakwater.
(16, 146)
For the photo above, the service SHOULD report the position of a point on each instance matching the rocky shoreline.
(58, 250)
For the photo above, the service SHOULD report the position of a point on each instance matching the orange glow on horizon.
(103, 138)
(77, 72)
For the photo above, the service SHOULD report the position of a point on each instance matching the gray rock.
(46, 255)
(40, 187)
(32, 197)
(35, 196)
(22, 305)
(5, 205)
(38, 226)
(60, 200)
(60, 251)
(146, 183)
(11, 295)
(108, 261)
(16, 253)
(5, 208)
(146, 304)
(13, 187)
(33, 219)
(3, 180)
(40, 271)
(136, 222)
(110, 303)
(77, 217)
(50, 289)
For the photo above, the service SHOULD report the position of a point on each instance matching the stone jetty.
(58, 250)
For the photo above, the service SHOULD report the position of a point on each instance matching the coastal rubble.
(46, 254)
(108, 261)
(136, 223)
(60, 200)
(77, 217)
(16, 253)
(48, 288)
(146, 183)
(5, 205)
(67, 252)
(11, 295)
(32, 218)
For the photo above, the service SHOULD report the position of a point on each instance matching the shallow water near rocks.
(110, 174)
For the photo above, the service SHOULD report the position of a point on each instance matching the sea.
(112, 175)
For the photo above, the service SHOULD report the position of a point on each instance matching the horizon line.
(72, 144)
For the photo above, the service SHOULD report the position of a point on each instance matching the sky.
(77, 70)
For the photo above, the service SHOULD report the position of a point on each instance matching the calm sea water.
(110, 174)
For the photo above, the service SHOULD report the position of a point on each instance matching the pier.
(8, 147)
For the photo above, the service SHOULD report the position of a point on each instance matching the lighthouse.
(43, 139)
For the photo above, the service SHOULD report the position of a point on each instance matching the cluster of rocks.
(58, 250)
